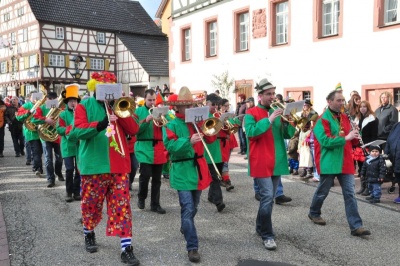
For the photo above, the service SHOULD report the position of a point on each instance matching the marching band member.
(150, 152)
(69, 144)
(334, 137)
(189, 170)
(104, 164)
(266, 132)
(215, 192)
(39, 118)
(31, 136)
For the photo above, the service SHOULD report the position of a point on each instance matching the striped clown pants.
(115, 189)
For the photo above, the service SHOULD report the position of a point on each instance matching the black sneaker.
(77, 197)
(220, 207)
(28, 163)
(282, 199)
(17, 155)
(68, 197)
(90, 242)
(140, 204)
(51, 184)
(194, 255)
(158, 210)
(128, 257)
(60, 177)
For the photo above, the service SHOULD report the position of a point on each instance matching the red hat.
(159, 99)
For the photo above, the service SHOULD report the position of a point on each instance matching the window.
(20, 11)
(330, 17)
(59, 33)
(391, 10)
(3, 67)
(101, 38)
(57, 60)
(281, 23)
(29, 89)
(25, 35)
(186, 43)
(6, 16)
(14, 65)
(396, 93)
(12, 38)
(96, 64)
(211, 38)
(306, 95)
(32, 60)
(244, 31)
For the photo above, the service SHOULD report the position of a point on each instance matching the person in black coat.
(392, 149)
(374, 171)
(387, 115)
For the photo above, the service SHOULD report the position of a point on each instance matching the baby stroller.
(389, 175)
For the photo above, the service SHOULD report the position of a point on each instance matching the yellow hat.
(185, 97)
(71, 91)
(338, 87)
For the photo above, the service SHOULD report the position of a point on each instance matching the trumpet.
(227, 125)
(158, 122)
(301, 122)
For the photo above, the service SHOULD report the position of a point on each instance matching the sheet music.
(108, 92)
(226, 116)
(293, 107)
(158, 111)
(198, 114)
(52, 103)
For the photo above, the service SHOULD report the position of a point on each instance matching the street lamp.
(36, 68)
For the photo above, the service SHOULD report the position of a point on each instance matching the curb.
(4, 250)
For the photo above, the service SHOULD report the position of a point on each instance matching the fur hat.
(263, 85)
(71, 92)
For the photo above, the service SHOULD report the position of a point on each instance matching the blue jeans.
(28, 151)
(267, 191)
(279, 189)
(350, 202)
(37, 152)
(72, 181)
(375, 189)
(49, 147)
(242, 140)
(189, 200)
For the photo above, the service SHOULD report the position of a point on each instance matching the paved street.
(42, 229)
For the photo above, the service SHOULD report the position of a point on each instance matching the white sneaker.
(270, 244)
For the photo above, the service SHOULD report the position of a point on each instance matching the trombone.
(123, 107)
(158, 122)
(210, 127)
(300, 121)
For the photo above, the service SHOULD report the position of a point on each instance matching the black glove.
(102, 124)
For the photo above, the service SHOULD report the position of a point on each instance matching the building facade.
(305, 48)
(50, 43)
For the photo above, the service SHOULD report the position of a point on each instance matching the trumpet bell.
(124, 107)
(211, 126)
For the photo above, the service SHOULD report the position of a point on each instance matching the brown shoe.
(317, 220)
(194, 255)
(360, 232)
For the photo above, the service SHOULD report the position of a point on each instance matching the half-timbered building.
(51, 43)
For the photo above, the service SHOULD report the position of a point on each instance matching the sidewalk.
(4, 250)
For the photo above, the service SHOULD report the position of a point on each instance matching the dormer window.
(101, 38)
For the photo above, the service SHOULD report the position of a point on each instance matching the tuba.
(28, 123)
(300, 121)
(48, 132)
(211, 126)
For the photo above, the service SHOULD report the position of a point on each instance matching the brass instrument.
(123, 107)
(301, 122)
(227, 125)
(46, 131)
(210, 127)
(158, 122)
(28, 123)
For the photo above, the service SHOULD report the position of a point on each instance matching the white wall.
(361, 56)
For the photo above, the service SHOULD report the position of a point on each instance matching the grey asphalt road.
(45, 230)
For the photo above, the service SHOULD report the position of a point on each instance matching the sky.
(150, 6)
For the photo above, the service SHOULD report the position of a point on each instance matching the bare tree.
(223, 83)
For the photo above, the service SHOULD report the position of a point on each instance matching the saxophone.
(28, 123)
(48, 132)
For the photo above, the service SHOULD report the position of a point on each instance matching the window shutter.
(107, 64)
(9, 63)
(87, 62)
(7, 66)
(16, 64)
(45, 59)
(22, 91)
(26, 62)
(67, 61)
(37, 59)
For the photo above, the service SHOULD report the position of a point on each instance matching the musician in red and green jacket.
(32, 137)
(334, 139)
(69, 144)
(219, 151)
(266, 155)
(189, 173)
(151, 154)
(40, 118)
